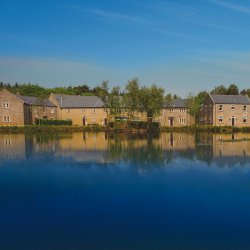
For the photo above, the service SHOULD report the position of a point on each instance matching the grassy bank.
(117, 128)
(208, 129)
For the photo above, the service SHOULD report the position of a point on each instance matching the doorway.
(84, 121)
(233, 121)
(171, 121)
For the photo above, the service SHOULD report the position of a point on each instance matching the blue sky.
(183, 46)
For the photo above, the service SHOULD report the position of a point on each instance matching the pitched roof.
(176, 103)
(36, 101)
(73, 101)
(230, 99)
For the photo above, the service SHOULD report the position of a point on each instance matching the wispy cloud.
(178, 34)
(113, 15)
(232, 6)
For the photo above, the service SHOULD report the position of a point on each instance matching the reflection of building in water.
(12, 146)
(223, 149)
(84, 147)
(230, 145)
(176, 141)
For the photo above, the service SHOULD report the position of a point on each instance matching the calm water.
(94, 191)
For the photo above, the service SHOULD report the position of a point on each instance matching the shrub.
(54, 122)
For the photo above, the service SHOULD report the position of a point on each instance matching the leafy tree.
(233, 90)
(102, 91)
(114, 101)
(151, 101)
(131, 97)
(220, 90)
(195, 102)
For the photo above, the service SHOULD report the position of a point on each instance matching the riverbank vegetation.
(133, 127)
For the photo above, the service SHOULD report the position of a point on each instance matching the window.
(68, 111)
(5, 105)
(220, 119)
(220, 108)
(94, 110)
(83, 110)
(182, 121)
(6, 119)
(171, 110)
(232, 107)
(244, 118)
(35, 110)
(44, 110)
(52, 111)
(244, 108)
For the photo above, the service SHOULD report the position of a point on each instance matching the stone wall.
(231, 115)
(78, 116)
(11, 110)
(175, 117)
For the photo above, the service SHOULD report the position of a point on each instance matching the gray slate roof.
(36, 101)
(177, 103)
(230, 99)
(73, 101)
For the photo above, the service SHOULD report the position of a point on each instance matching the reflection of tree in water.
(204, 147)
(137, 150)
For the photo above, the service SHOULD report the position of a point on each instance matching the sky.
(182, 46)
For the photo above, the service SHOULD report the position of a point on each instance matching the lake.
(117, 191)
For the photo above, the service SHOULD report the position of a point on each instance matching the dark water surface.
(97, 191)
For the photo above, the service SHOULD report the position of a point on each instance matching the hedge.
(53, 122)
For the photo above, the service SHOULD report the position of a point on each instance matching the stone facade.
(175, 114)
(13, 111)
(236, 113)
(175, 117)
(81, 112)
(43, 112)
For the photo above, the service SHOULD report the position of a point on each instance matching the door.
(233, 121)
(105, 122)
(84, 121)
(171, 121)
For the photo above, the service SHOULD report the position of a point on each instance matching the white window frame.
(5, 105)
(220, 118)
(6, 119)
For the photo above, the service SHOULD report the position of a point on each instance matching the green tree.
(195, 103)
(233, 90)
(131, 97)
(102, 91)
(219, 90)
(114, 102)
(151, 101)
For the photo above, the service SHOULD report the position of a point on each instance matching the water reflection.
(142, 150)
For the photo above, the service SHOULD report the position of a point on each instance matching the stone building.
(225, 110)
(13, 110)
(175, 114)
(81, 110)
(18, 110)
(40, 108)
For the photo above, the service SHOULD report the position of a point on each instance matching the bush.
(54, 122)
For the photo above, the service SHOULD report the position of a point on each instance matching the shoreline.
(72, 129)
